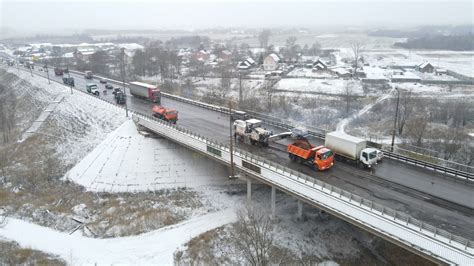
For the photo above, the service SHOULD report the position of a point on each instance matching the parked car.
(109, 87)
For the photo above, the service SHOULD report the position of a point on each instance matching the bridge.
(427, 222)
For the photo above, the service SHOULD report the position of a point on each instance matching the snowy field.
(324, 86)
(153, 248)
(308, 72)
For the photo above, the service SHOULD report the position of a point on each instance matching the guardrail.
(387, 222)
(466, 173)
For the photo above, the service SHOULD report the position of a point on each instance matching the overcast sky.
(165, 14)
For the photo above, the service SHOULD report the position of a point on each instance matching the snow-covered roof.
(341, 71)
(69, 55)
(226, 52)
(131, 46)
(250, 60)
(274, 57)
(423, 65)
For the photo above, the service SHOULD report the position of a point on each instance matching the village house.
(225, 55)
(342, 73)
(201, 55)
(319, 65)
(425, 68)
(271, 62)
(246, 64)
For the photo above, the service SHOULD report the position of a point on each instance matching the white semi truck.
(251, 130)
(352, 148)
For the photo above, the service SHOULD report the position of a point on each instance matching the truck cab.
(324, 158)
(169, 115)
(88, 75)
(92, 88)
(369, 157)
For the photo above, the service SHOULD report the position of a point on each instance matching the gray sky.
(164, 14)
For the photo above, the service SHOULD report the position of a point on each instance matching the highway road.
(393, 184)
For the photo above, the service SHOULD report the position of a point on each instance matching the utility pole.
(395, 120)
(47, 72)
(231, 146)
(69, 77)
(122, 73)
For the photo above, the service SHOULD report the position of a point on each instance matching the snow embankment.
(156, 247)
(128, 161)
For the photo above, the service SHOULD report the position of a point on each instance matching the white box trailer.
(352, 148)
(345, 145)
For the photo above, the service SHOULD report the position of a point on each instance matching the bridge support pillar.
(249, 190)
(273, 200)
(300, 209)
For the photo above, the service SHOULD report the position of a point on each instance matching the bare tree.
(253, 235)
(416, 128)
(453, 141)
(264, 37)
(407, 104)
(292, 48)
(357, 53)
(348, 95)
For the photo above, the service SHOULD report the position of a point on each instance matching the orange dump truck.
(169, 115)
(319, 157)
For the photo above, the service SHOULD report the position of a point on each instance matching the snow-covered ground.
(308, 72)
(325, 86)
(126, 161)
(155, 247)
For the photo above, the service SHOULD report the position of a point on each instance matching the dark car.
(239, 115)
(103, 81)
(116, 90)
(108, 86)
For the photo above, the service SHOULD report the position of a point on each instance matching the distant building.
(319, 65)
(342, 73)
(271, 62)
(246, 64)
(425, 68)
(202, 55)
(225, 55)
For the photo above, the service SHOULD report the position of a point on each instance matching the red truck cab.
(169, 115)
(321, 157)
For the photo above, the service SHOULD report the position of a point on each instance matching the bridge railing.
(303, 185)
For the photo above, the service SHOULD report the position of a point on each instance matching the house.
(271, 62)
(246, 64)
(319, 65)
(83, 54)
(425, 68)
(201, 55)
(225, 55)
(342, 72)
